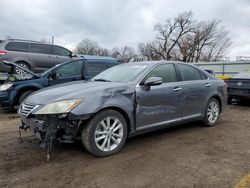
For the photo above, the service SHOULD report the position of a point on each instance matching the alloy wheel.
(109, 134)
(20, 71)
(212, 112)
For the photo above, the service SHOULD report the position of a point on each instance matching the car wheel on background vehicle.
(212, 112)
(19, 71)
(105, 133)
(24, 95)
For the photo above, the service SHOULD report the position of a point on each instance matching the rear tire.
(23, 96)
(105, 133)
(18, 71)
(212, 113)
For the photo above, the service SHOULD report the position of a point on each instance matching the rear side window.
(70, 69)
(17, 46)
(94, 68)
(166, 72)
(190, 73)
(57, 50)
(40, 48)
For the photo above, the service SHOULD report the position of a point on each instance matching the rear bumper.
(239, 93)
(239, 96)
(5, 102)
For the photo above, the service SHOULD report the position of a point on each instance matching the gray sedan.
(124, 101)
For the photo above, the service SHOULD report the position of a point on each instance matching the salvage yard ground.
(186, 156)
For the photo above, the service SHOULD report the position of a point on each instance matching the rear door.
(196, 88)
(68, 72)
(159, 105)
(40, 55)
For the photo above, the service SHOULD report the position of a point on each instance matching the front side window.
(17, 46)
(189, 73)
(166, 72)
(61, 51)
(70, 69)
(95, 68)
(40, 48)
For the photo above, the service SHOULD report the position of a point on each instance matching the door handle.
(177, 89)
(208, 84)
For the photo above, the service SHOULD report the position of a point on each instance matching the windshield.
(120, 73)
(243, 75)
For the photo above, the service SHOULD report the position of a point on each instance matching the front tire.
(23, 96)
(212, 112)
(105, 133)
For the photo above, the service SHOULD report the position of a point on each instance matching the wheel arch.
(24, 89)
(121, 111)
(217, 97)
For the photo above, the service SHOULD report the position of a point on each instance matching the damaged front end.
(49, 128)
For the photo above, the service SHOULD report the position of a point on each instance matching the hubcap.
(108, 134)
(212, 112)
(20, 71)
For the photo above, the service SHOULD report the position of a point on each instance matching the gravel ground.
(186, 156)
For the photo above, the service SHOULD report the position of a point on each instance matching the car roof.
(95, 57)
(23, 40)
(156, 62)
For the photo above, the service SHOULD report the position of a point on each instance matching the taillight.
(2, 52)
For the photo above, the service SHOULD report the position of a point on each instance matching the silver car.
(123, 101)
(32, 55)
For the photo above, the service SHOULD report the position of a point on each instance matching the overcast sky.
(117, 22)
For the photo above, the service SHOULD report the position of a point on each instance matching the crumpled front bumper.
(34, 124)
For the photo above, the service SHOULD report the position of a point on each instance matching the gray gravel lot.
(185, 156)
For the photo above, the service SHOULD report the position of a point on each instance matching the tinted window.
(95, 68)
(166, 72)
(203, 76)
(189, 73)
(61, 51)
(70, 69)
(40, 48)
(17, 46)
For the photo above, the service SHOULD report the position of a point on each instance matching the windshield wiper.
(102, 80)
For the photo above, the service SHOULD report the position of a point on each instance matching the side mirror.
(153, 81)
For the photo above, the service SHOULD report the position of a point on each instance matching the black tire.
(16, 70)
(89, 130)
(206, 120)
(23, 96)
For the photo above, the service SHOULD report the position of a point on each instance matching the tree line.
(180, 38)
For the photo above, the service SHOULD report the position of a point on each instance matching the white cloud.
(116, 23)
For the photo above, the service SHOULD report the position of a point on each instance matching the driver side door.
(159, 105)
(68, 72)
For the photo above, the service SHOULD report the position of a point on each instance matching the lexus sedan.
(123, 101)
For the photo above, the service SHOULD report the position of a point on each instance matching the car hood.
(77, 90)
(12, 64)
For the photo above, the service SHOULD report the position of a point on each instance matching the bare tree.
(88, 47)
(169, 33)
(148, 51)
(124, 54)
(206, 41)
